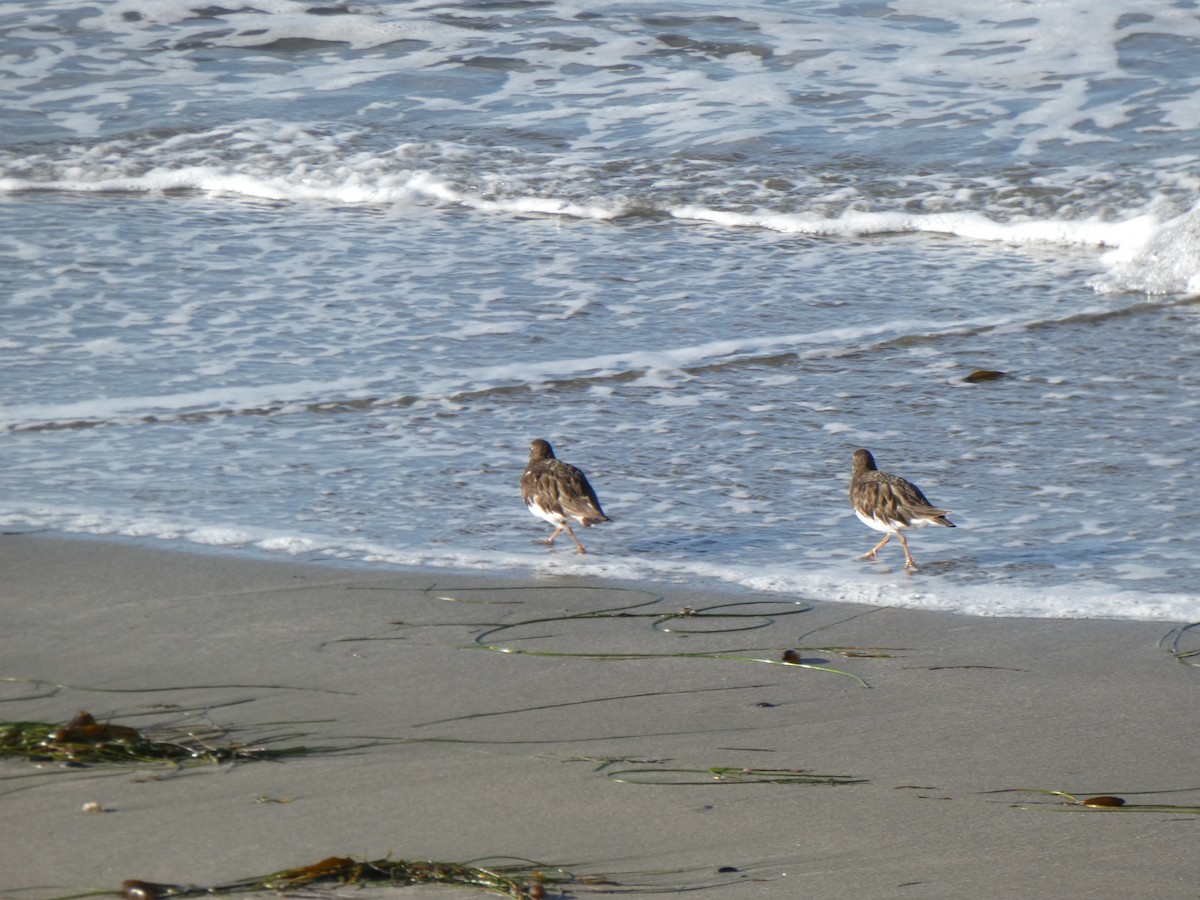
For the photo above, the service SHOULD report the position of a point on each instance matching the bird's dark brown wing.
(893, 499)
(561, 489)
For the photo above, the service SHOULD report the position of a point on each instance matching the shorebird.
(890, 504)
(558, 492)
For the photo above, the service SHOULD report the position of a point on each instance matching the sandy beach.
(577, 724)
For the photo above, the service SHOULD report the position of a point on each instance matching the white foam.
(209, 400)
(359, 259)
(438, 383)
(974, 226)
(847, 581)
(1160, 259)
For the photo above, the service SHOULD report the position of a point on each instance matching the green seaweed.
(521, 879)
(86, 742)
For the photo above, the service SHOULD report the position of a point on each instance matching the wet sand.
(449, 750)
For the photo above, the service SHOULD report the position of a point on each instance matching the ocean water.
(300, 278)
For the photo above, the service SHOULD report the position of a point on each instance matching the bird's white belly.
(553, 518)
(888, 526)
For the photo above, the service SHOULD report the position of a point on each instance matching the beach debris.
(520, 879)
(1177, 638)
(721, 618)
(79, 742)
(928, 792)
(792, 656)
(606, 761)
(728, 775)
(92, 807)
(132, 889)
(981, 375)
(84, 741)
(1104, 802)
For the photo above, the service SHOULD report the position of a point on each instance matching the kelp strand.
(726, 775)
(661, 621)
(1189, 657)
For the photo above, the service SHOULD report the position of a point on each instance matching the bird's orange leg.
(575, 539)
(877, 548)
(908, 560)
(550, 540)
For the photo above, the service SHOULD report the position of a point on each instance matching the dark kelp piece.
(982, 375)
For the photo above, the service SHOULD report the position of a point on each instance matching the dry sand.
(471, 753)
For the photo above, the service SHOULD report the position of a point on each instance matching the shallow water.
(308, 284)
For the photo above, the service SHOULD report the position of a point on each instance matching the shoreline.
(872, 588)
(449, 750)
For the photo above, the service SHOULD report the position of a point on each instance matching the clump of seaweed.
(86, 742)
(523, 879)
(520, 879)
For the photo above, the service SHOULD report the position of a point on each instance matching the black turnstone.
(890, 504)
(557, 492)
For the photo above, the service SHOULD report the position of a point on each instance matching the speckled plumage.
(890, 504)
(558, 492)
